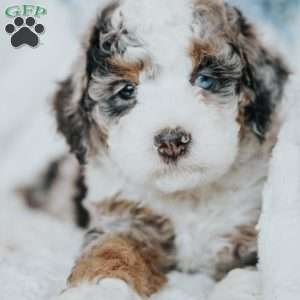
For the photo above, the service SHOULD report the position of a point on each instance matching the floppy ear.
(72, 119)
(72, 103)
(264, 76)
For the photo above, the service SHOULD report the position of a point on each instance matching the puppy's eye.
(127, 92)
(206, 83)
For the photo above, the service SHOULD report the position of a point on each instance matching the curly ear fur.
(264, 77)
(72, 120)
(72, 104)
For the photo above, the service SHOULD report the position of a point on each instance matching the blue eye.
(205, 82)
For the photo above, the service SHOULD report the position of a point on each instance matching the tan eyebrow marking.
(199, 50)
(129, 70)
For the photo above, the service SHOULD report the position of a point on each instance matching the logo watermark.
(24, 28)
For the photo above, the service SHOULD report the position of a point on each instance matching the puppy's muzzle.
(172, 144)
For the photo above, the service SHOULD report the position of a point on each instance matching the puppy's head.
(167, 90)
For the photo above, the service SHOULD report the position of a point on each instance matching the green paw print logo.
(24, 28)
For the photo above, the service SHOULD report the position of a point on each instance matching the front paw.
(106, 289)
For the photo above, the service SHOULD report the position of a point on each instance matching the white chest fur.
(202, 226)
(202, 219)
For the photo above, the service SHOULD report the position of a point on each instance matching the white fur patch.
(161, 26)
(106, 289)
(169, 105)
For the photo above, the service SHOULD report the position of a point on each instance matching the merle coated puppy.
(171, 110)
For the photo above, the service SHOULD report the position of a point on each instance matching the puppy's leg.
(240, 252)
(59, 190)
(128, 242)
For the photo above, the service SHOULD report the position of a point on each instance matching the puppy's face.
(167, 88)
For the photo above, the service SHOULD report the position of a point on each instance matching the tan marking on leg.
(138, 223)
(122, 258)
(127, 241)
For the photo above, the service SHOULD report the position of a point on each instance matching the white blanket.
(37, 251)
(279, 241)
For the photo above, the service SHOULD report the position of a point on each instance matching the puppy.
(171, 110)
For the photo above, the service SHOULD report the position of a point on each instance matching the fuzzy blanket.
(279, 242)
(37, 251)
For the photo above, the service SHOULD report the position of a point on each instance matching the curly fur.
(211, 196)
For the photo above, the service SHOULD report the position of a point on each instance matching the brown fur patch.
(123, 258)
(127, 241)
(143, 225)
(241, 252)
(199, 50)
(127, 70)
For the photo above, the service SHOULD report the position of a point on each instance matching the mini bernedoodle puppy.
(171, 112)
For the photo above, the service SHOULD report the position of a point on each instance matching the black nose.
(172, 144)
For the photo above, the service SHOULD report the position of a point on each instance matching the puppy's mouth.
(172, 169)
(175, 179)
